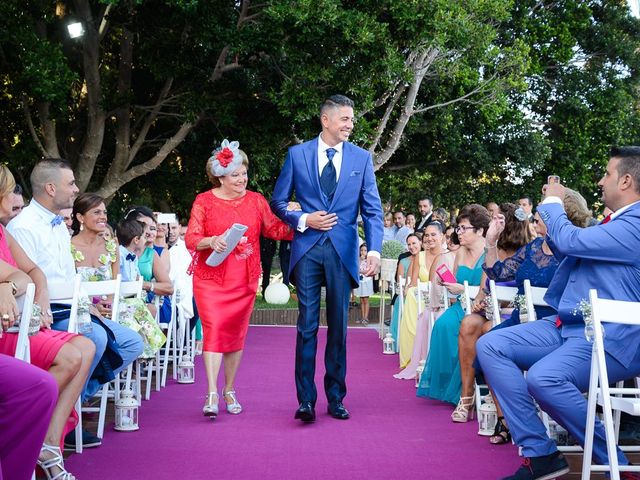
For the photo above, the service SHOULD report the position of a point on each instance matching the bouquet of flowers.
(520, 302)
(584, 308)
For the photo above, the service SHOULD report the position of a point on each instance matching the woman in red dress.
(225, 294)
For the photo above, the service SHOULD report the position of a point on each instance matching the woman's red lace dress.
(225, 294)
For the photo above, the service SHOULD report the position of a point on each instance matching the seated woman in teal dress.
(441, 376)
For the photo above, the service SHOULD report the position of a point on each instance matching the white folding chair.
(69, 293)
(171, 344)
(400, 305)
(500, 293)
(133, 289)
(100, 289)
(423, 290)
(625, 399)
(470, 292)
(25, 304)
(534, 298)
(185, 334)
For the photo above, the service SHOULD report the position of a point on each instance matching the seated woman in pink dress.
(64, 355)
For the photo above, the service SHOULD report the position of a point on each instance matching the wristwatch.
(14, 288)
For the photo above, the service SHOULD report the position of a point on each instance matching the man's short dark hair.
(45, 171)
(527, 199)
(127, 230)
(428, 199)
(336, 101)
(629, 163)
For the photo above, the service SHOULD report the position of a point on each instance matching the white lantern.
(186, 370)
(277, 294)
(487, 417)
(419, 371)
(388, 345)
(126, 412)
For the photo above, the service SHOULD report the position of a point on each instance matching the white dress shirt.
(47, 246)
(323, 159)
(322, 162)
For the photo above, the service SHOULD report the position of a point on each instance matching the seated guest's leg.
(129, 342)
(27, 399)
(70, 368)
(99, 338)
(470, 332)
(557, 381)
(503, 355)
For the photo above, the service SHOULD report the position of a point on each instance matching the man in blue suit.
(333, 182)
(554, 350)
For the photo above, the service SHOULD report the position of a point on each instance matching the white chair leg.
(103, 409)
(78, 429)
(149, 379)
(138, 383)
(163, 365)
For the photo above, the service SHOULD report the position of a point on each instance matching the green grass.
(261, 304)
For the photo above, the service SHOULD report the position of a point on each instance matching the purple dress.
(28, 396)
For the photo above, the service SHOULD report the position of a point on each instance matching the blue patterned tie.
(57, 220)
(328, 175)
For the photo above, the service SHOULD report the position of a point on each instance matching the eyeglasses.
(461, 229)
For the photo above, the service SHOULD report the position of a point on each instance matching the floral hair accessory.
(520, 214)
(226, 158)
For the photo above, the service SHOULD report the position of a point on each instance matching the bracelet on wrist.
(152, 286)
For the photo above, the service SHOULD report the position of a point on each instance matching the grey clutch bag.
(232, 237)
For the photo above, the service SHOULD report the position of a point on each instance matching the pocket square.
(355, 173)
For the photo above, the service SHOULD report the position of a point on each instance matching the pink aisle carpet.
(392, 434)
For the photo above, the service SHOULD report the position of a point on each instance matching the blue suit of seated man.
(557, 357)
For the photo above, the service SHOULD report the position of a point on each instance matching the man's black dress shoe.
(305, 412)
(337, 410)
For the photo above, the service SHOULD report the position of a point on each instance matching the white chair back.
(500, 293)
(423, 292)
(609, 311)
(22, 346)
(104, 288)
(400, 304)
(535, 298)
(131, 289)
(67, 293)
(470, 292)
